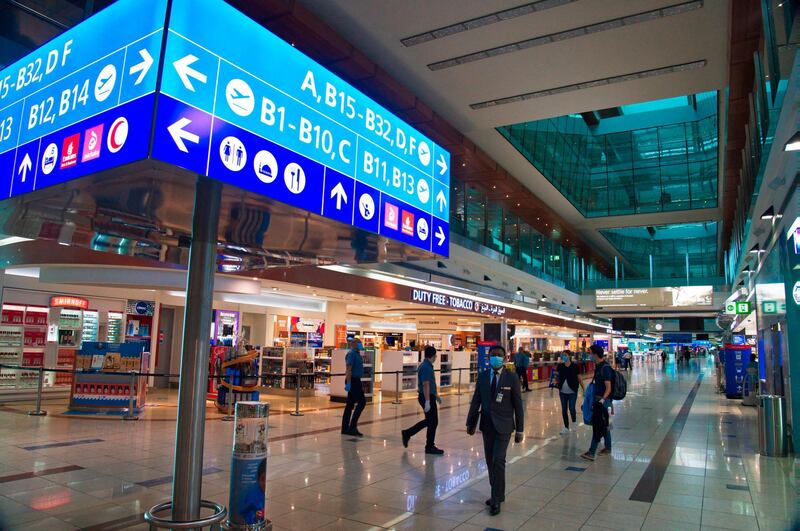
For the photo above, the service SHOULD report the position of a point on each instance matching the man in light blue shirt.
(521, 362)
(355, 391)
(428, 399)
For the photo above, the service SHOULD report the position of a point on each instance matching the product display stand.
(462, 359)
(473, 367)
(404, 361)
(94, 390)
(299, 361)
(322, 364)
(444, 366)
(239, 379)
(338, 366)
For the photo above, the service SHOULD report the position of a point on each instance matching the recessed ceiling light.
(572, 33)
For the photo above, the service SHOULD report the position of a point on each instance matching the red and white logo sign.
(69, 152)
(391, 214)
(117, 134)
(92, 143)
(408, 223)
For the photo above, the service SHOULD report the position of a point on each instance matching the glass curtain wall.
(607, 172)
(668, 250)
(489, 224)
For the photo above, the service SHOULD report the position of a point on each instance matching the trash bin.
(771, 426)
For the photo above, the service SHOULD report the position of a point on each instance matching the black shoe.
(434, 451)
(494, 510)
(346, 432)
(356, 433)
(406, 438)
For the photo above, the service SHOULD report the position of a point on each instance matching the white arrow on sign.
(185, 71)
(442, 164)
(142, 68)
(440, 235)
(340, 195)
(441, 200)
(178, 134)
(25, 166)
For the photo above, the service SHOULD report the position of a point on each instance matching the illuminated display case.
(114, 327)
(64, 336)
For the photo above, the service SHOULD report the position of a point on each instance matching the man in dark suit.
(498, 403)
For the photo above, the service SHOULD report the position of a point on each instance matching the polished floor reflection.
(67, 473)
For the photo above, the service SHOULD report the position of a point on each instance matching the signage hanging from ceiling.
(680, 296)
(236, 103)
(83, 102)
(249, 109)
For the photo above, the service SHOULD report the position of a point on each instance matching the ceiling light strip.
(683, 67)
(615, 23)
(485, 20)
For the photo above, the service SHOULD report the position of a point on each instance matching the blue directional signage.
(83, 102)
(235, 103)
(244, 106)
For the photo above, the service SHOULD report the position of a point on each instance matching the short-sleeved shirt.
(353, 358)
(602, 373)
(425, 374)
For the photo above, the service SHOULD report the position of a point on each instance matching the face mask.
(564, 359)
(360, 346)
(496, 362)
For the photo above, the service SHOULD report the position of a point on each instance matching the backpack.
(619, 387)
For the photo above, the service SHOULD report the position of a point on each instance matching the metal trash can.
(771, 426)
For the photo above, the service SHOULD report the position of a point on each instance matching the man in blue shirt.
(426, 387)
(521, 362)
(603, 381)
(355, 392)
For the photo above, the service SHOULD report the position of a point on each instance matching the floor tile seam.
(680, 419)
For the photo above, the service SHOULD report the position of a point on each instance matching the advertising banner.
(655, 297)
(249, 466)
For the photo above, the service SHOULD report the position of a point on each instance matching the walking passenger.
(568, 383)
(602, 382)
(521, 362)
(428, 399)
(355, 391)
(498, 403)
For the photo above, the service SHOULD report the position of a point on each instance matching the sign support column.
(188, 468)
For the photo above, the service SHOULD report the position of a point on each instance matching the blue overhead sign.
(235, 103)
(246, 107)
(83, 102)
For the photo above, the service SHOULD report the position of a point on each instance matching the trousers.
(568, 401)
(523, 375)
(355, 397)
(495, 447)
(431, 421)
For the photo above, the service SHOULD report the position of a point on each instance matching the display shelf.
(115, 326)
(445, 365)
(299, 361)
(406, 362)
(24, 334)
(91, 325)
(322, 364)
(271, 367)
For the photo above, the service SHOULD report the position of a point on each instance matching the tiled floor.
(113, 470)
